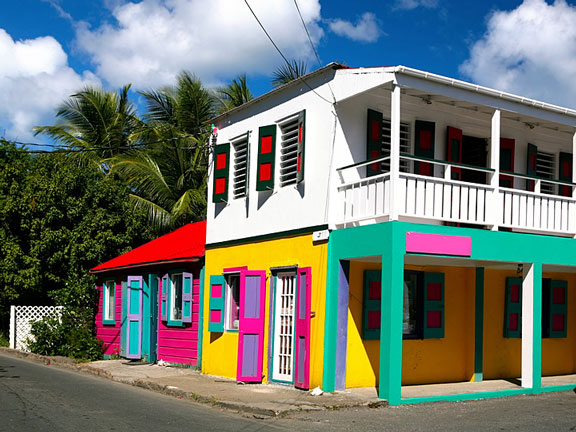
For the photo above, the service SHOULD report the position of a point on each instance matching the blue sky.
(52, 48)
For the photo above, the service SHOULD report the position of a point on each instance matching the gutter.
(482, 90)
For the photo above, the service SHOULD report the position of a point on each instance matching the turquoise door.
(134, 317)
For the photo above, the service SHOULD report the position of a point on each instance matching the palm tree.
(290, 71)
(95, 125)
(233, 95)
(168, 177)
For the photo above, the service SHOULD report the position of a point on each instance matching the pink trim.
(438, 244)
(302, 333)
(234, 269)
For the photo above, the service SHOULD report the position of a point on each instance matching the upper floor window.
(291, 149)
(175, 297)
(240, 167)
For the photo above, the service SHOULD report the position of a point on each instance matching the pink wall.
(110, 334)
(180, 344)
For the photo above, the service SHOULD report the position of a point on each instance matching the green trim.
(330, 322)
(466, 396)
(392, 302)
(105, 306)
(281, 234)
(266, 158)
(479, 327)
(222, 173)
(200, 318)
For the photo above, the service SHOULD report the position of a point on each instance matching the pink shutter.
(251, 326)
(302, 345)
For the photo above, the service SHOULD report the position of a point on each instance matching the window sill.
(231, 331)
(174, 323)
(108, 322)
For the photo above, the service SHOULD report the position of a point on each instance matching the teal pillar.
(392, 303)
(479, 326)
(330, 322)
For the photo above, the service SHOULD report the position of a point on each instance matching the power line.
(281, 54)
(312, 44)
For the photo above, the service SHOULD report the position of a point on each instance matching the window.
(545, 168)
(291, 149)
(379, 142)
(175, 297)
(404, 144)
(554, 308)
(221, 173)
(423, 310)
(176, 301)
(232, 301)
(108, 302)
(240, 146)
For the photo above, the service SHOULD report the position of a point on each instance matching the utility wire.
(312, 44)
(282, 55)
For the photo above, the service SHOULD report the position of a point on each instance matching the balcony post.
(395, 190)
(495, 209)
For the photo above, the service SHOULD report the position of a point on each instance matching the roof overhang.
(146, 264)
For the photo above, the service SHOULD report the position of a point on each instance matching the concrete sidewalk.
(253, 399)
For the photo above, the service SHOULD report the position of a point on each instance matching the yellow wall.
(449, 359)
(220, 350)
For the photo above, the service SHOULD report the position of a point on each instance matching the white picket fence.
(21, 319)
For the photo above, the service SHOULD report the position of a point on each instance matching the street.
(34, 397)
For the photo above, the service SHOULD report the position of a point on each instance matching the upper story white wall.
(286, 208)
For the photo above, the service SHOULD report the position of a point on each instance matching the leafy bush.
(4, 342)
(69, 336)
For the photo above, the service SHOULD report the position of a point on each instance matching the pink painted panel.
(180, 344)
(438, 244)
(302, 346)
(109, 334)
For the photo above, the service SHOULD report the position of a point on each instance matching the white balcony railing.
(443, 199)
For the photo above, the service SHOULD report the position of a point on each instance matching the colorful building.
(149, 299)
(390, 227)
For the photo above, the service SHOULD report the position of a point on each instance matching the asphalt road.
(34, 397)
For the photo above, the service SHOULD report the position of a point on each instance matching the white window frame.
(229, 324)
(108, 293)
(288, 126)
(405, 143)
(172, 297)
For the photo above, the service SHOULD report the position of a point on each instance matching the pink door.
(302, 349)
(251, 325)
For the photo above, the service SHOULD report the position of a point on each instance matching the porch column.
(395, 153)
(494, 209)
(531, 326)
(392, 301)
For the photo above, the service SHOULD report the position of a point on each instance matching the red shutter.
(221, 173)
(424, 146)
(565, 172)
(374, 142)
(531, 158)
(507, 146)
(266, 158)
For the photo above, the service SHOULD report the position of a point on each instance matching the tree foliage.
(233, 95)
(288, 72)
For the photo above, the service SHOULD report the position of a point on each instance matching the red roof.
(183, 245)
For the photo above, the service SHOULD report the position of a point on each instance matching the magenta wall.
(180, 344)
(110, 334)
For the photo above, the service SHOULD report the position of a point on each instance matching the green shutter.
(266, 158)
(565, 173)
(434, 324)
(187, 283)
(513, 308)
(558, 309)
(424, 141)
(374, 142)
(164, 298)
(507, 146)
(531, 158)
(371, 307)
(454, 150)
(301, 145)
(216, 305)
(221, 173)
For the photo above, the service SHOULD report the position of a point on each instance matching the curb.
(241, 408)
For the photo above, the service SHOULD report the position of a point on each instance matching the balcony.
(439, 198)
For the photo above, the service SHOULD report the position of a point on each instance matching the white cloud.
(413, 4)
(530, 51)
(150, 42)
(366, 28)
(34, 79)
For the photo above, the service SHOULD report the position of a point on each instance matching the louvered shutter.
(565, 172)
(216, 305)
(187, 297)
(531, 159)
(301, 145)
